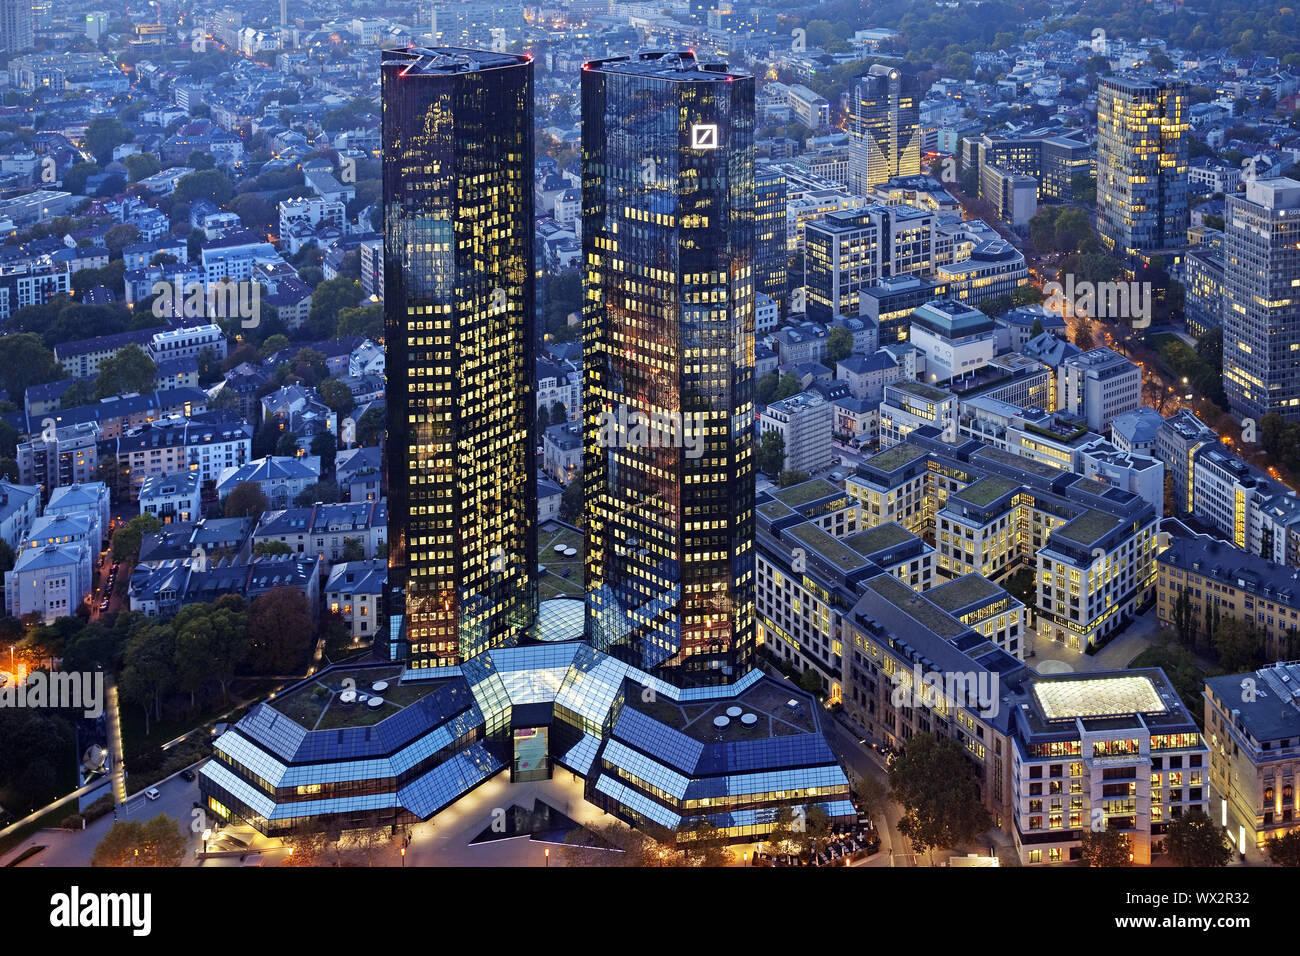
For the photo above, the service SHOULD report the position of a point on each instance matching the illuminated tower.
(668, 339)
(459, 326)
(1141, 164)
(1261, 313)
(884, 127)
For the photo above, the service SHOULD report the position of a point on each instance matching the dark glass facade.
(459, 327)
(884, 127)
(771, 240)
(1142, 130)
(668, 332)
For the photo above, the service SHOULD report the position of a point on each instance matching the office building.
(458, 319)
(1142, 133)
(884, 127)
(771, 241)
(1252, 725)
(1097, 386)
(668, 322)
(16, 25)
(1261, 311)
(804, 422)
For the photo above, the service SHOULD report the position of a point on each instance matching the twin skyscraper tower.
(667, 336)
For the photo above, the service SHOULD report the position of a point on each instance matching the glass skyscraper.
(1142, 129)
(459, 327)
(668, 339)
(1261, 315)
(771, 239)
(884, 127)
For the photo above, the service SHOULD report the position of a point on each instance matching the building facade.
(668, 333)
(458, 317)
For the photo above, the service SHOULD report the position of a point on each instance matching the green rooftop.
(984, 492)
(317, 704)
(963, 592)
(824, 544)
(1091, 486)
(1090, 526)
(895, 592)
(771, 510)
(806, 492)
(901, 454)
(928, 392)
(879, 538)
(1031, 465)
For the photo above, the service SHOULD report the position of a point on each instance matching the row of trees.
(1237, 645)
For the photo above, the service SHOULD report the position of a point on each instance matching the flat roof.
(807, 492)
(985, 491)
(1097, 697)
(896, 457)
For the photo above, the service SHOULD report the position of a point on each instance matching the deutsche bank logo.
(704, 136)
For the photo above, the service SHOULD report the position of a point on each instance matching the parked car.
(152, 793)
(187, 776)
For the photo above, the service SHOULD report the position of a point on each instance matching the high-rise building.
(1142, 130)
(771, 234)
(459, 328)
(848, 250)
(668, 337)
(884, 127)
(16, 25)
(1261, 312)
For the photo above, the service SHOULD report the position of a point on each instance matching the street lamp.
(547, 854)
(403, 857)
(207, 835)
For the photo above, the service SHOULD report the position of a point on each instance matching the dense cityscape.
(686, 434)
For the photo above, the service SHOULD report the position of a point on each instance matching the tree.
(936, 786)
(839, 344)
(571, 501)
(210, 184)
(787, 386)
(128, 538)
(1105, 847)
(322, 492)
(1238, 645)
(25, 361)
(336, 395)
(246, 500)
(790, 477)
(140, 165)
(103, 134)
(767, 386)
(329, 299)
(811, 681)
(231, 644)
(147, 670)
(130, 370)
(771, 453)
(370, 426)
(365, 320)
(1196, 840)
(1284, 850)
(703, 844)
(353, 550)
(324, 446)
(193, 642)
(266, 549)
(280, 630)
(872, 795)
(36, 748)
(158, 842)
